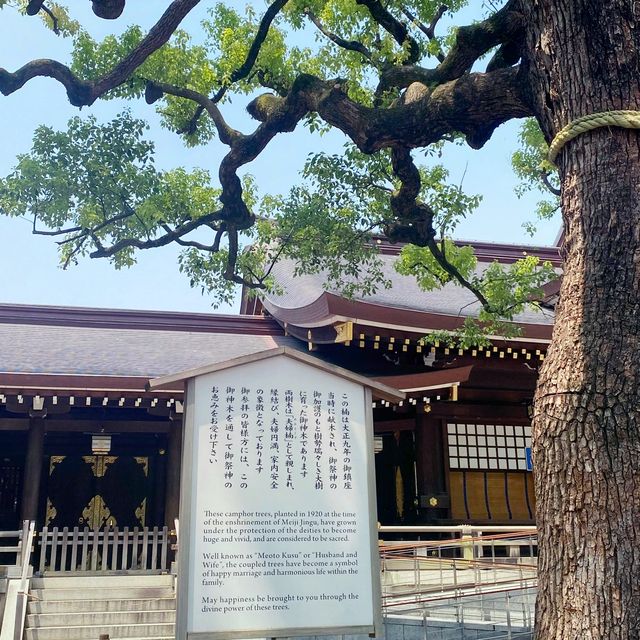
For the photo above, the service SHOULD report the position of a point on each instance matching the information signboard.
(277, 516)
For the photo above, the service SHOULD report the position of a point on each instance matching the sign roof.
(378, 389)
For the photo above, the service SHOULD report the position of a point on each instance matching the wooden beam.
(483, 412)
(387, 426)
(110, 426)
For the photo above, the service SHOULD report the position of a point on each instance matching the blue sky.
(29, 270)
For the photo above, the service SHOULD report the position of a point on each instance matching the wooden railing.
(77, 550)
(15, 547)
(14, 544)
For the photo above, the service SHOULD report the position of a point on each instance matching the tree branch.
(261, 35)
(79, 92)
(429, 31)
(154, 91)
(33, 7)
(83, 93)
(349, 45)
(471, 42)
(230, 272)
(395, 27)
(544, 175)
(54, 19)
(455, 273)
(414, 219)
(172, 235)
(108, 9)
(243, 71)
(474, 105)
(158, 35)
(234, 215)
(84, 232)
(58, 232)
(275, 258)
(210, 248)
(73, 253)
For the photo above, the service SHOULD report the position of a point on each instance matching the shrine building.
(83, 444)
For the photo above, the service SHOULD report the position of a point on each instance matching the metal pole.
(531, 610)
(416, 568)
(455, 575)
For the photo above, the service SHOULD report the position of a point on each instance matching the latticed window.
(488, 446)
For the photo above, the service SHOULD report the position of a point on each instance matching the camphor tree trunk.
(582, 56)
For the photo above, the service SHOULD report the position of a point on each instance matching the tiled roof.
(450, 300)
(29, 348)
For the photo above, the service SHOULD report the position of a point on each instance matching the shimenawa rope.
(621, 118)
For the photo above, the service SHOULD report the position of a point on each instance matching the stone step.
(91, 633)
(85, 581)
(100, 618)
(78, 606)
(101, 593)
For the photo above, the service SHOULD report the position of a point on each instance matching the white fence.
(77, 550)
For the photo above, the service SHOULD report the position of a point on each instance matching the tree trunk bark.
(582, 56)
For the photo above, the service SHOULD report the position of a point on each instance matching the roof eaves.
(337, 309)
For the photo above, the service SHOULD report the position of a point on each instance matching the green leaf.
(530, 163)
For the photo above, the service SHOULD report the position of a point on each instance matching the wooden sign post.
(277, 514)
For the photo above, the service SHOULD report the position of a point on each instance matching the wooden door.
(396, 479)
(11, 472)
(97, 491)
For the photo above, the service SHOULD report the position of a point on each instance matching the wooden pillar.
(430, 467)
(173, 465)
(33, 466)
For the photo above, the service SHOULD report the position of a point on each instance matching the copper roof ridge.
(487, 250)
(476, 241)
(95, 317)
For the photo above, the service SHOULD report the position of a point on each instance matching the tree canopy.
(388, 75)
